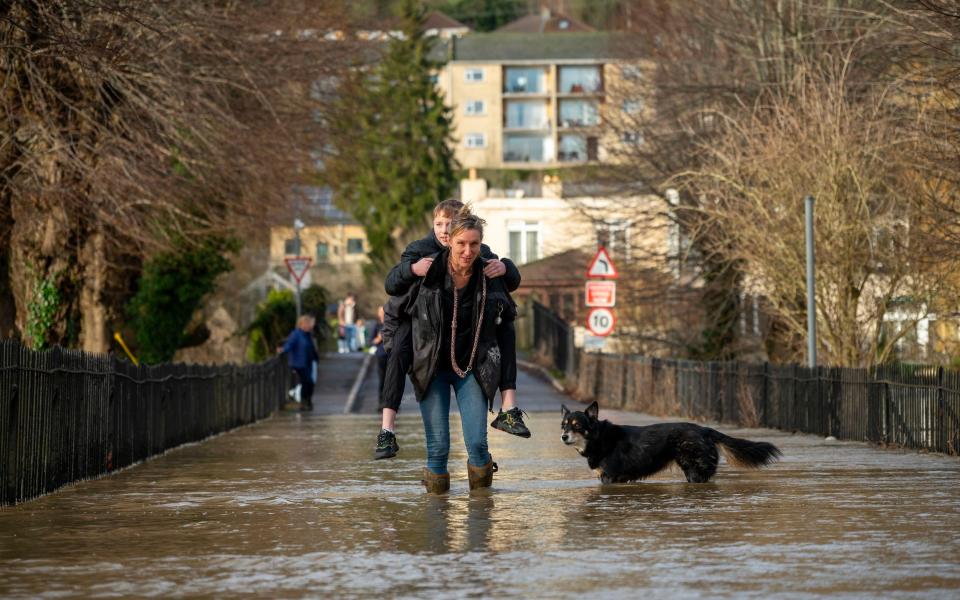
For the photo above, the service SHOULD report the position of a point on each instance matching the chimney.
(473, 189)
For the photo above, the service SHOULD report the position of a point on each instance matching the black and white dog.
(621, 453)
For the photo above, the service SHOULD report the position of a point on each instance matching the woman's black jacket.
(426, 313)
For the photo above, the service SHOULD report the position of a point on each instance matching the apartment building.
(539, 100)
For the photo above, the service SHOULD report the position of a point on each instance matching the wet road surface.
(293, 507)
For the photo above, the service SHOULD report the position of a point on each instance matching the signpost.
(298, 267)
(601, 321)
(601, 295)
(601, 266)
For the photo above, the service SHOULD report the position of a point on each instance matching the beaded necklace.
(476, 338)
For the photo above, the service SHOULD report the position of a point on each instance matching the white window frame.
(472, 105)
(475, 140)
(523, 228)
(632, 106)
(473, 75)
(610, 227)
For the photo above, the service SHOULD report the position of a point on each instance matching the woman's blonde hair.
(465, 220)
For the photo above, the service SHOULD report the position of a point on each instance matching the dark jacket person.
(456, 318)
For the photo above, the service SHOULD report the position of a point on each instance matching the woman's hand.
(494, 268)
(421, 267)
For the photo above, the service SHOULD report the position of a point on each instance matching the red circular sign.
(601, 321)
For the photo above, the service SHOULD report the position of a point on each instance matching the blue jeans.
(350, 333)
(435, 410)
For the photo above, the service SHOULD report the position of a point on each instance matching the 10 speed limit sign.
(601, 321)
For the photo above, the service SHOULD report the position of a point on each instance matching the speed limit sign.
(600, 321)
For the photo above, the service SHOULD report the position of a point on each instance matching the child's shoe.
(511, 422)
(387, 446)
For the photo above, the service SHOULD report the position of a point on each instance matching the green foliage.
(393, 158)
(43, 307)
(485, 15)
(171, 287)
(277, 316)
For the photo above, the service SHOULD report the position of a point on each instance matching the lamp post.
(811, 295)
(297, 226)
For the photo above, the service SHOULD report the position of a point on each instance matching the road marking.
(357, 383)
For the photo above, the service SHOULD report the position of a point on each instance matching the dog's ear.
(564, 411)
(592, 411)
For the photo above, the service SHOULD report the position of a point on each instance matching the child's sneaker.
(511, 422)
(387, 446)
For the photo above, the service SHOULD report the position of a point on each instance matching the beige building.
(635, 230)
(539, 100)
(331, 238)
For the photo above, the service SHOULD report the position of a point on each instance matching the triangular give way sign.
(298, 265)
(602, 266)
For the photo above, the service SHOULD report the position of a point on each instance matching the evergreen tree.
(393, 158)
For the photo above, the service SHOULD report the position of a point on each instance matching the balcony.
(579, 113)
(526, 115)
(525, 81)
(527, 148)
(579, 81)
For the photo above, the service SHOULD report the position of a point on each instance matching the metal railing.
(911, 406)
(67, 415)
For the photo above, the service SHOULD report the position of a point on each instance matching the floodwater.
(293, 507)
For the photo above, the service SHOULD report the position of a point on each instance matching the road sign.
(601, 293)
(602, 266)
(298, 266)
(601, 321)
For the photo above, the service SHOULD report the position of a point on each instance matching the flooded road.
(293, 507)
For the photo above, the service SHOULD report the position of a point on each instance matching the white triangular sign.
(298, 266)
(602, 266)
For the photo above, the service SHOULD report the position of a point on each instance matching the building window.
(474, 75)
(573, 148)
(526, 114)
(355, 246)
(631, 72)
(524, 241)
(475, 140)
(615, 237)
(527, 148)
(632, 107)
(580, 80)
(632, 137)
(525, 80)
(475, 107)
(323, 251)
(579, 113)
(291, 247)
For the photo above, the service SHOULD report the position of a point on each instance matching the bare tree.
(129, 125)
(875, 250)
(715, 68)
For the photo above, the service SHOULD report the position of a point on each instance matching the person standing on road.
(459, 318)
(301, 356)
(402, 284)
(346, 318)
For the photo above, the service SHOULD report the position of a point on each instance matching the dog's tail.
(744, 453)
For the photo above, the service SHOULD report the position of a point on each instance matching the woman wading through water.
(457, 332)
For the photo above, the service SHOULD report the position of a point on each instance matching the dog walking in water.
(621, 453)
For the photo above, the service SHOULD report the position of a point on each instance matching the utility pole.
(297, 226)
(811, 296)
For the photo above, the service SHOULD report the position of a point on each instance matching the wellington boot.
(435, 484)
(481, 477)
